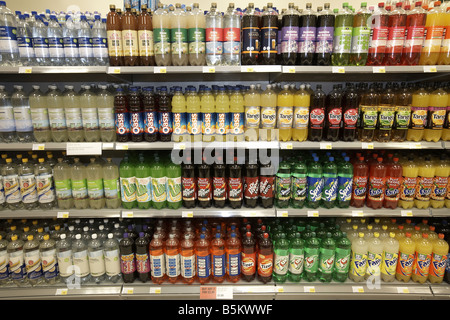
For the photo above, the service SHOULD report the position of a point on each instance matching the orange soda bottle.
(233, 252)
(438, 259)
(218, 258)
(203, 261)
(424, 249)
(157, 259)
(187, 257)
(173, 258)
(434, 27)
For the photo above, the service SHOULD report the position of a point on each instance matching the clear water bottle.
(118, 232)
(7, 124)
(25, 42)
(33, 261)
(5, 278)
(17, 269)
(22, 115)
(80, 260)
(232, 37)
(112, 261)
(100, 42)
(55, 42)
(9, 49)
(96, 259)
(47, 250)
(214, 36)
(11, 184)
(27, 182)
(40, 42)
(71, 49)
(85, 43)
(44, 185)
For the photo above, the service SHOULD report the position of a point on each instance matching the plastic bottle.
(350, 100)
(145, 37)
(237, 116)
(405, 258)
(33, 261)
(203, 259)
(70, 41)
(436, 115)
(415, 29)
(142, 258)
(281, 259)
(394, 174)
(333, 118)
(434, 27)
(179, 36)
(307, 36)
(64, 258)
(312, 252)
(94, 177)
(159, 185)
(99, 42)
(342, 258)
(56, 114)
(187, 259)
(302, 101)
(358, 266)
(89, 104)
(165, 116)
(25, 42)
(111, 184)
(315, 184)
(40, 42)
(317, 115)
(327, 254)
(85, 43)
(403, 114)
(231, 37)
(4, 262)
(251, 185)
(80, 260)
(233, 251)
(248, 259)
(343, 28)
(22, 115)
(377, 184)
(45, 185)
(345, 183)
(214, 36)
(127, 258)
(330, 183)
(390, 258)
(11, 183)
(285, 103)
(27, 182)
(55, 42)
(96, 259)
(268, 35)
(290, 22)
(196, 22)
(222, 115)
(17, 270)
(251, 37)
(252, 103)
(360, 180)
(283, 185)
(268, 114)
(374, 257)
(162, 37)
(112, 258)
(360, 36)
(396, 35)
(419, 110)
(424, 183)
(114, 34)
(72, 110)
(208, 115)
(440, 183)
(39, 115)
(298, 184)
(378, 39)
(422, 263)
(265, 259)
(438, 260)
(173, 185)
(105, 111)
(127, 183)
(79, 185)
(143, 183)
(7, 124)
(136, 115)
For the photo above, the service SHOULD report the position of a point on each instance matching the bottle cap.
(376, 234)
(425, 235)
(46, 237)
(361, 235)
(441, 236)
(14, 237)
(392, 235)
(30, 237)
(62, 236)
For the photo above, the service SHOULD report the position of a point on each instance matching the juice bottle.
(360, 36)
(378, 39)
(307, 37)
(187, 258)
(343, 29)
(394, 174)
(325, 35)
(358, 265)
(377, 184)
(237, 115)
(333, 118)
(161, 36)
(349, 113)
(159, 184)
(269, 33)
(73, 115)
(360, 180)
(179, 116)
(145, 38)
(438, 260)
(446, 130)
(437, 108)
(434, 30)
(233, 257)
(130, 41)
(419, 110)
(268, 114)
(193, 115)
(114, 33)
(386, 115)
(424, 183)
(157, 259)
(374, 255)
(402, 114)
(94, 177)
(440, 182)
(424, 250)
(222, 115)
(285, 103)
(290, 22)
(111, 183)
(317, 115)
(79, 185)
(368, 115)
(251, 22)
(396, 35)
(415, 30)
(172, 252)
(143, 183)
(390, 258)
(301, 114)
(444, 55)
(56, 114)
(409, 183)
(179, 36)
(252, 103)
(218, 260)
(208, 115)
(196, 36)
(407, 249)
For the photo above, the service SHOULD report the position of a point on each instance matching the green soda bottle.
(158, 174)
(283, 185)
(360, 36)
(315, 184)
(342, 258)
(298, 184)
(343, 29)
(173, 185)
(345, 183)
(326, 258)
(296, 258)
(127, 183)
(311, 257)
(281, 258)
(330, 181)
(143, 184)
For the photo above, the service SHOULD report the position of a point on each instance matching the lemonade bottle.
(444, 56)
(358, 264)
(236, 115)
(268, 114)
(194, 121)
(434, 28)
(407, 249)
(390, 258)
(436, 115)
(222, 115)
(424, 184)
(285, 104)
(438, 260)
(302, 100)
(252, 104)
(179, 116)
(208, 106)
(440, 182)
(416, 234)
(424, 249)
(419, 109)
(409, 183)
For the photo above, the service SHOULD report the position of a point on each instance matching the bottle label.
(237, 123)
(235, 189)
(307, 40)
(12, 191)
(408, 188)
(81, 263)
(301, 117)
(130, 43)
(204, 189)
(386, 117)
(127, 263)
(179, 41)
(266, 187)
(329, 191)
(40, 46)
(437, 266)
(405, 264)
(96, 263)
(56, 47)
(335, 118)
(189, 189)
(252, 117)
(137, 123)
(285, 117)
(65, 263)
(22, 118)
(214, 41)
(359, 187)
(344, 192)
(232, 41)
(157, 265)
(7, 118)
(203, 266)
(377, 187)
(298, 187)
(436, 117)
(393, 188)
(222, 123)
(161, 41)
(311, 260)
(296, 261)
(173, 265)
(100, 47)
(173, 189)
(151, 122)
(418, 117)
(342, 261)
(389, 263)
(250, 40)
(350, 119)
(159, 189)
(414, 39)
(265, 265)
(422, 264)
(106, 119)
(8, 39)
(4, 265)
(25, 45)
(268, 117)
(378, 39)
(439, 188)
(142, 263)
(219, 188)
(50, 264)
(95, 189)
(433, 38)
(73, 119)
(188, 266)
(33, 265)
(315, 186)
(17, 267)
(317, 118)
(248, 263)
(79, 189)
(289, 39)
(71, 49)
(396, 38)
(110, 187)
(144, 189)
(165, 123)
(402, 117)
(39, 117)
(196, 39)
(85, 46)
(145, 38)
(45, 189)
(112, 263)
(281, 262)
(373, 264)
(283, 187)
(445, 46)
(342, 39)
(28, 188)
(179, 123)
(57, 119)
(423, 192)
(326, 260)
(90, 119)
(114, 43)
(251, 187)
(358, 264)
(208, 123)
(128, 189)
(360, 39)
(2, 191)
(369, 117)
(218, 265)
(234, 264)
(269, 40)
(324, 41)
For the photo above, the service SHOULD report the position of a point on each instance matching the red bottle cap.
(248, 234)
(361, 158)
(417, 228)
(398, 4)
(395, 159)
(425, 235)
(437, 3)
(408, 235)
(441, 236)
(266, 235)
(381, 5)
(418, 4)
(380, 159)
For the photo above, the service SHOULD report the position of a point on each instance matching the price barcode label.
(114, 70)
(155, 290)
(402, 290)
(62, 215)
(247, 69)
(26, 70)
(209, 69)
(309, 289)
(121, 146)
(107, 146)
(338, 69)
(160, 70)
(357, 213)
(280, 289)
(287, 146)
(38, 147)
(179, 146)
(61, 292)
(128, 291)
(429, 69)
(406, 213)
(291, 70)
(313, 213)
(187, 214)
(283, 213)
(358, 289)
(415, 145)
(379, 70)
(127, 214)
(367, 145)
(326, 145)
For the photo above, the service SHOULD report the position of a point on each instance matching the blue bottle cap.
(331, 159)
(347, 159)
(202, 236)
(217, 235)
(141, 234)
(2, 3)
(125, 235)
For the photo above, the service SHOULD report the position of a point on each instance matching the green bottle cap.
(345, 4)
(363, 4)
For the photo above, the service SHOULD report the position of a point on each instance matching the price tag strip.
(313, 213)
(38, 147)
(402, 290)
(62, 215)
(358, 289)
(61, 292)
(84, 149)
(155, 290)
(282, 213)
(309, 289)
(127, 214)
(209, 70)
(187, 214)
(212, 293)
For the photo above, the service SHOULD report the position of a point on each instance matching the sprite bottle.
(330, 180)
(315, 184)
(283, 185)
(127, 183)
(173, 185)
(342, 258)
(345, 183)
(326, 258)
(159, 195)
(311, 257)
(296, 257)
(281, 258)
(143, 184)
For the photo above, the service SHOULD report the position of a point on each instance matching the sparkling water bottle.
(112, 261)
(40, 42)
(71, 50)
(25, 42)
(7, 124)
(85, 43)
(9, 49)
(55, 42)
(100, 42)
(22, 115)
(232, 37)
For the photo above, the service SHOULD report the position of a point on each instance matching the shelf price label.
(179, 146)
(313, 213)
(367, 145)
(338, 69)
(379, 70)
(279, 289)
(309, 289)
(428, 69)
(155, 290)
(121, 146)
(402, 290)
(108, 146)
(61, 292)
(406, 213)
(213, 293)
(160, 70)
(127, 214)
(114, 70)
(128, 291)
(247, 69)
(358, 289)
(38, 147)
(62, 215)
(415, 145)
(326, 145)
(282, 213)
(357, 213)
(187, 214)
(209, 70)
(287, 146)
(26, 70)
(84, 149)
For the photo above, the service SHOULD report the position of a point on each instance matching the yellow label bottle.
(285, 105)
(268, 130)
(194, 121)
(236, 115)
(207, 103)
(252, 105)
(436, 115)
(444, 56)
(179, 116)
(302, 101)
(440, 182)
(419, 109)
(409, 183)
(222, 115)
(424, 184)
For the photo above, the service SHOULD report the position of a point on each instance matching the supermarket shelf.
(365, 69)
(198, 212)
(441, 290)
(352, 212)
(60, 213)
(358, 145)
(192, 69)
(52, 70)
(444, 212)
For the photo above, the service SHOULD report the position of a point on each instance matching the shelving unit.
(230, 74)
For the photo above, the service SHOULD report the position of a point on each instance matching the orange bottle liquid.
(173, 258)
(233, 251)
(218, 258)
(203, 259)
(187, 257)
(157, 259)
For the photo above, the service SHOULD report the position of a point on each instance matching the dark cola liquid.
(307, 37)
(219, 183)
(269, 39)
(317, 115)
(250, 39)
(333, 118)
(350, 114)
(189, 186)
(235, 186)
(251, 185)
(204, 186)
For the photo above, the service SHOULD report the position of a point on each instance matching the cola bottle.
(219, 183)
(266, 185)
(189, 184)
(317, 115)
(333, 119)
(204, 185)
(235, 186)
(251, 185)
(350, 116)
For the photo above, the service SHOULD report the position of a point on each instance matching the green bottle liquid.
(326, 258)
(283, 185)
(342, 258)
(159, 194)
(127, 183)
(296, 258)
(330, 180)
(281, 258)
(143, 184)
(343, 29)
(345, 183)
(360, 36)
(173, 185)
(315, 184)
(298, 185)
(311, 257)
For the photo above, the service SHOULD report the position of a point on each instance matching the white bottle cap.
(78, 236)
